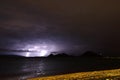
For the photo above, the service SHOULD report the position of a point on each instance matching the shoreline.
(103, 74)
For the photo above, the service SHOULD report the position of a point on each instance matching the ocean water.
(23, 68)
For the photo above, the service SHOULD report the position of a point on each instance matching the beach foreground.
(94, 75)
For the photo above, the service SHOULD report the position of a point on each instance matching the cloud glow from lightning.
(27, 54)
(41, 50)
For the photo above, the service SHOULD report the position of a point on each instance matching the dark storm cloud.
(80, 22)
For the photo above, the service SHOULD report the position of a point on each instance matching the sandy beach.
(94, 75)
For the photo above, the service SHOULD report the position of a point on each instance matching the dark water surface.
(22, 68)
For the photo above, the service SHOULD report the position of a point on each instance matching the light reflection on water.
(18, 69)
(21, 68)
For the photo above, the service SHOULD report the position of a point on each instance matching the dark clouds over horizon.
(83, 24)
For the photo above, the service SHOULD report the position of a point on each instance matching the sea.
(23, 68)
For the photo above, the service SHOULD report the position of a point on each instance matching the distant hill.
(86, 54)
(59, 55)
(90, 54)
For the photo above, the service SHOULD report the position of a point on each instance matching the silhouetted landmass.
(91, 54)
(59, 55)
(53, 54)
(86, 54)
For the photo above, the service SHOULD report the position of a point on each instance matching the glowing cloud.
(43, 52)
(39, 50)
(27, 54)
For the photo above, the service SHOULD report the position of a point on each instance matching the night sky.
(71, 26)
